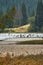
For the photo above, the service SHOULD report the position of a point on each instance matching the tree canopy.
(6, 20)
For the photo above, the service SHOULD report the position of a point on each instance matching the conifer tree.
(7, 19)
(33, 13)
(39, 15)
(24, 21)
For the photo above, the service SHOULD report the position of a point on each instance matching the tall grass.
(22, 60)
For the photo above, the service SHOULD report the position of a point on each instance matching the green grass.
(32, 42)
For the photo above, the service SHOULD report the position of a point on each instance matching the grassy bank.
(32, 42)
(21, 60)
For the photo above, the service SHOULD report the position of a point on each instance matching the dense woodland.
(7, 20)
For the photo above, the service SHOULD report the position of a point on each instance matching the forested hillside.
(17, 13)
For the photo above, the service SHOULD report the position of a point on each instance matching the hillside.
(24, 28)
(19, 29)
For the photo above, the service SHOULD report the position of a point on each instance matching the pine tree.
(33, 13)
(1, 12)
(24, 21)
(29, 11)
(32, 21)
(39, 15)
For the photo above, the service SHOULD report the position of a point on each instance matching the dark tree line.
(37, 26)
(24, 13)
(6, 20)
(39, 17)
